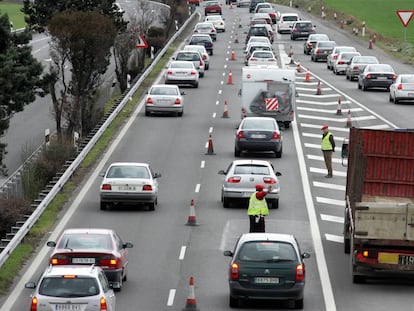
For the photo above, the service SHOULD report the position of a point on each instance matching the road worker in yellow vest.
(328, 147)
(258, 209)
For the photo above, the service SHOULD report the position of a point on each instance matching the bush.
(11, 210)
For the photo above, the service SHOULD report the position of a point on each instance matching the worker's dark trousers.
(257, 226)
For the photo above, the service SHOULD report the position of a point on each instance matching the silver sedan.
(402, 89)
(241, 178)
(163, 98)
(182, 72)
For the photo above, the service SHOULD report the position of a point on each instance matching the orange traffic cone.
(307, 76)
(225, 112)
(191, 303)
(338, 110)
(230, 79)
(192, 217)
(298, 67)
(318, 89)
(210, 149)
(233, 55)
(348, 120)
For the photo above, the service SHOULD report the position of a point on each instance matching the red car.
(196, 2)
(212, 7)
(100, 247)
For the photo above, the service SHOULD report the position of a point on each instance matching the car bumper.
(127, 197)
(166, 109)
(340, 68)
(234, 194)
(258, 146)
(180, 81)
(377, 83)
(240, 292)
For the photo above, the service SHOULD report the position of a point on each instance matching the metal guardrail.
(17, 237)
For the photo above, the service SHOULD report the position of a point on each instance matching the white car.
(163, 98)
(72, 287)
(260, 57)
(217, 21)
(182, 72)
(242, 3)
(402, 89)
(206, 28)
(202, 50)
(258, 39)
(286, 21)
(130, 183)
(340, 64)
(335, 52)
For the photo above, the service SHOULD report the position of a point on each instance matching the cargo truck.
(379, 203)
(268, 91)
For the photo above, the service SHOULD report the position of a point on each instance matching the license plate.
(382, 78)
(67, 307)
(406, 260)
(83, 261)
(261, 280)
(126, 188)
(246, 194)
(325, 52)
(258, 136)
(410, 94)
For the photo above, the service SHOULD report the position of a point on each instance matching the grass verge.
(15, 15)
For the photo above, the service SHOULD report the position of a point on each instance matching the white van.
(286, 22)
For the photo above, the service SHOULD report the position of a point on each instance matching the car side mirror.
(30, 285)
(183, 93)
(102, 174)
(51, 243)
(221, 172)
(305, 255)
(228, 253)
(278, 174)
(128, 245)
(157, 175)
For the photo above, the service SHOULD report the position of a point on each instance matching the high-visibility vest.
(257, 207)
(326, 143)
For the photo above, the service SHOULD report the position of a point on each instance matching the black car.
(321, 50)
(302, 29)
(257, 31)
(203, 40)
(253, 3)
(266, 266)
(311, 42)
(377, 76)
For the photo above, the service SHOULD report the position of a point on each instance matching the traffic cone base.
(225, 112)
(210, 149)
(298, 67)
(233, 55)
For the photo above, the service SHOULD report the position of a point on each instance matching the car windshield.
(267, 251)
(290, 18)
(366, 60)
(85, 241)
(263, 54)
(252, 169)
(128, 172)
(163, 91)
(73, 286)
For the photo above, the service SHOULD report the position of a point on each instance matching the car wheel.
(147, 113)
(195, 85)
(151, 206)
(233, 302)
(278, 154)
(274, 203)
(364, 88)
(226, 202)
(286, 124)
(347, 77)
(358, 279)
(201, 74)
(237, 152)
(180, 114)
(359, 86)
(103, 206)
(396, 101)
(390, 98)
(207, 67)
(299, 304)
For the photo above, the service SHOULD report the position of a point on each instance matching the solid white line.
(171, 296)
(334, 238)
(182, 252)
(315, 233)
(197, 188)
(224, 236)
(331, 111)
(203, 164)
(332, 218)
(330, 201)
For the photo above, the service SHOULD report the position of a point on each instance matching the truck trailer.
(268, 91)
(379, 203)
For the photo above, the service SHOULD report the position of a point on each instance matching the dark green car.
(267, 266)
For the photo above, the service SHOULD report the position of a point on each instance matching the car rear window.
(85, 241)
(407, 79)
(289, 18)
(258, 124)
(128, 172)
(252, 169)
(163, 91)
(70, 287)
(187, 56)
(267, 251)
(261, 54)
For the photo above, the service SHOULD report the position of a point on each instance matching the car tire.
(195, 85)
(364, 88)
(347, 245)
(390, 99)
(147, 113)
(299, 304)
(359, 86)
(237, 152)
(233, 302)
(226, 202)
(103, 206)
(201, 74)
(274, 203)
(207, 67)
(358, 279)
(286, 124)
(278, 154)
(151, 205)
(396, 101)
(180, 114)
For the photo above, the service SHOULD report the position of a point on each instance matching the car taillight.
(106, 187)
(399, 86)
(335, 56)
(177, 101)
(169, 72)
(204, 56)
(147, 188)
(272, 59)
(394, 77)
(276, 135)
(234, 271)
(240, 134)
(300, 272)
(110, 262)
(149, 100)
(193, 72)
(213, 30)
(59, 260)
(201, 63)
(269, 180)
(368, 76)
(317, 51)
(103, 304)
(252, 59)
(341, 62)
(234, 179)
(33, 306)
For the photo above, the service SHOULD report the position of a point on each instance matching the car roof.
(88, 230)
(248, 237)
(136, 163)
(289, 14)
(83, 270)
(171, 86)
(251, 161)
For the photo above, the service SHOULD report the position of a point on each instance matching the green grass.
(14, 13)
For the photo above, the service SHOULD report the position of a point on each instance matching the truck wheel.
(358, 279)
(347, 245)
(286, 124)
